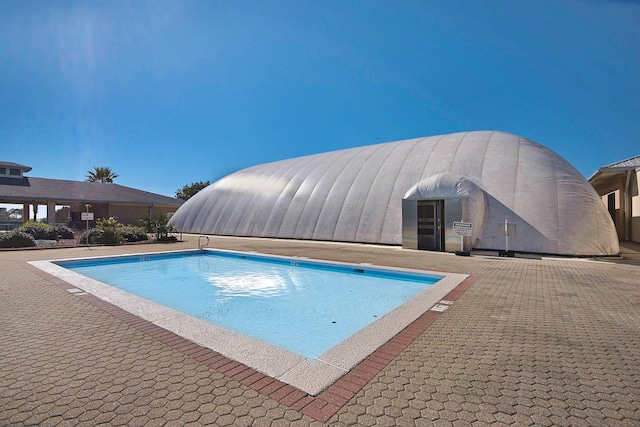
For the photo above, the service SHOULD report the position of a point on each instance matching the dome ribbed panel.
(260, 212)
(283, 197)
(376, 205)
(337, 193)
(469, 157)
(312, 211)
(208, 202)
(410, 169)
(580, 233)
(230, 198)
(256, 182)
(356, 195)
(315, 171)
(266, 185)
(348, 221)
(499, 178)
(442, 155)
(536, 217)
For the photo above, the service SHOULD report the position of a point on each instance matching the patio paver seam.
(320, 407)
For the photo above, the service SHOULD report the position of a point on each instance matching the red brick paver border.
(320, 407)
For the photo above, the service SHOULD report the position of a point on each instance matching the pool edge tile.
(313, 376)
(320, 407)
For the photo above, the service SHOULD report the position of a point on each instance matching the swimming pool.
(302, 306)
(301, 321)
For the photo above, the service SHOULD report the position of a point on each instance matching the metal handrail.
(201, 245)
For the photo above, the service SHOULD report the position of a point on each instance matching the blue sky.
(168, 93)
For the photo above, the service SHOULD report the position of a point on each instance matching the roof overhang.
(44, 201)
(23, 168)
(604, 174)
(63, 192)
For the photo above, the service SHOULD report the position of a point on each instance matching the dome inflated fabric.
(355, 195)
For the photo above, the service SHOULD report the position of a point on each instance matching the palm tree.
(101, 174)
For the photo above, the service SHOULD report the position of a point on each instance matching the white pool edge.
(309, 375)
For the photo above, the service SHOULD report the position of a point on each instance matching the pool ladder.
(200, 245)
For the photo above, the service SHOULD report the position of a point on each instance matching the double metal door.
(430, 225)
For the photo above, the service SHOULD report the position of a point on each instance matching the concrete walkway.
(533, 341)
(630, 251)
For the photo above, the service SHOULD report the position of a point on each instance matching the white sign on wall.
(86, 216)
(462, 228)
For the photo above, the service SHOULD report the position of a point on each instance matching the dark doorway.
(611, 205)
(430, 215)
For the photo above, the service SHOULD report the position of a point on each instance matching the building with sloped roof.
(618, 185)
(106, 200)
(516, 195)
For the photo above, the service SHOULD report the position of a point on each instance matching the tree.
(160, 226)
(188, 191)
(15, 213)
(101, 174)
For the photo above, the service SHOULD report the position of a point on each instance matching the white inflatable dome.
(355, 195)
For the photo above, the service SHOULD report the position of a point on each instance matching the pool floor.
(279, 301)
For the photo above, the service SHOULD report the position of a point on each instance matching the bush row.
(110, 232)
(42, 231)
(26, 236)
(107, 232)
(17, 239)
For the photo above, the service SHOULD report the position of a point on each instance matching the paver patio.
(533, 341)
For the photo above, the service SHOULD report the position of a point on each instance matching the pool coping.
(311, 386)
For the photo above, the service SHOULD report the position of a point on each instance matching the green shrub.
(39, 230)
(17, 239)
(131, 233)
(93, 236)
(36, 224)
(43, 231)
(111, 231)
(111, 236)
(147, 223)
(63, 232)
(160, 226)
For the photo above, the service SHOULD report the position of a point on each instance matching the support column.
(51, 212)
(627, 208)
(25, 212)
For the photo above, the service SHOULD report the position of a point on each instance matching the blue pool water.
(303, 306)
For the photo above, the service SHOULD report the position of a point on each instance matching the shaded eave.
(43, 190)
(607, 172)
(604, 174)
(15, 165)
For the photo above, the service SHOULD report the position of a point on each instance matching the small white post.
(506, 235)
(87, 206)
(461, 240)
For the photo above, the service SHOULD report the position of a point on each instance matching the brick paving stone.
(533, 341)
